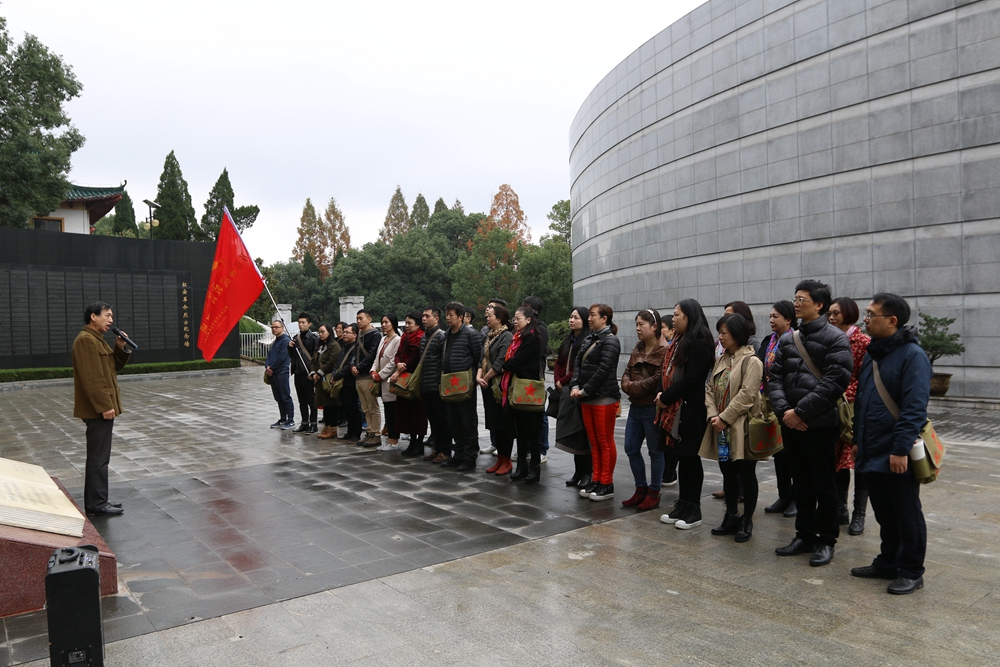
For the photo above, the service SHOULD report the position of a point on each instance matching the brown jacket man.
(95, 380)
(97, 402)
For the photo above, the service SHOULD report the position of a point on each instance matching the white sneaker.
(513, 455)
(544, 458)
(386, 447)
(488, 449)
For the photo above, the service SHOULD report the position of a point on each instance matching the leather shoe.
(453, 462)
(440, 458)
(465, 466)
(904, 586)
(795, 547)
(778, 506)
(111, 504)
(872, 572)
(791, 511)
(823, 556)
(107, 510)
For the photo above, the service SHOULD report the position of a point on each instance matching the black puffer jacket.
(793, 386)
(430, 372)
(462, 350)
(596, 372)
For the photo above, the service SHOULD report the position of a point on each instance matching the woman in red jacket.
(410, 415)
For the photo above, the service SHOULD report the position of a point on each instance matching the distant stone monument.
(285, 315)
(349, 307)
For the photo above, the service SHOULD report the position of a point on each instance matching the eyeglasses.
(801, 299)
(869, 315)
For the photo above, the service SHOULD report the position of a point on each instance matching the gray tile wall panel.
(754, 142)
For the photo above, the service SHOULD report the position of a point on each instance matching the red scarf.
(665, 417)
(507, 375)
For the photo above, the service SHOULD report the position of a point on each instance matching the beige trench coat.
(743, 402)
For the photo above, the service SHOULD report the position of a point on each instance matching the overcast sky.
(320, 99)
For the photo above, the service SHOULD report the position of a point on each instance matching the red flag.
(233, 287)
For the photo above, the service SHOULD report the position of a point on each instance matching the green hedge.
(24, 374)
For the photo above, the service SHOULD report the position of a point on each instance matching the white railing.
(255, 345)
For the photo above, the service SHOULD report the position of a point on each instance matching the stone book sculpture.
(29, 498)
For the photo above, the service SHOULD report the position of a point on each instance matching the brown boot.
(637, 497)
(651, 501)
(329, 433)
(495, 466)
(505, 466)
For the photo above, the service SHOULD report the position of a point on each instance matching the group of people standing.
(692, 396)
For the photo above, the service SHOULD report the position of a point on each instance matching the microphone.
(129, 343)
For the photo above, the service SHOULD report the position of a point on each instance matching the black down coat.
(596, 372)
(430, 372)
(794, 387)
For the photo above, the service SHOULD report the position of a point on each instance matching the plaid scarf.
(666, 417)
(507, 375)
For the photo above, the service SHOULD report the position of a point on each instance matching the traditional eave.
(99, 201)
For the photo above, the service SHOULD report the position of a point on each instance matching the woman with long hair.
(844, 314)
(323, 363)
(641, 381)
(495, 345)
(410, 415)
(595, 385)
(523, 360)
(782, 319)
(382, 369)
(731, 394)
(571, 436)
(682, 413)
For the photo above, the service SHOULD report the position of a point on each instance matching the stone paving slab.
(250, 545)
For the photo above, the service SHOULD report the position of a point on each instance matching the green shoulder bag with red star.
(527, 395)
(456, 387)
(764, 434)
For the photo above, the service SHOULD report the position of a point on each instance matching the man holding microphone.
(97, 401)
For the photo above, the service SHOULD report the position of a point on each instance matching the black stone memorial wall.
(156, 289)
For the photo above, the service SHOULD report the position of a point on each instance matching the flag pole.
(274, 303)
(282, 320)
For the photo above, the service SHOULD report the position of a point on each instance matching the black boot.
(778, 506)
(522, 468)
(313, 427)
(843, 516)
(857, 526)
(575, 479)
(746, 529)
(584, 481)
(416, 447)
(730, 525)
(534, 475)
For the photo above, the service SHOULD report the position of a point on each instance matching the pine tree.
(561, 222)
(440, 206)
(337, 237)
(176, 213)
(506, 213)
(222, 195)
(421, 213)
(124, 217)
(457, 206)
(397, 218)
(310, 235)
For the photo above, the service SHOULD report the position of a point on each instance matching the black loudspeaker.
(73, 604)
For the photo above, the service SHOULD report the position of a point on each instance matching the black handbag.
(552, 409)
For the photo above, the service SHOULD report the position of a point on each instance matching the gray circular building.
(754, 143)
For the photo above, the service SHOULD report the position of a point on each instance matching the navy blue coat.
(906, 373)
(277, 356)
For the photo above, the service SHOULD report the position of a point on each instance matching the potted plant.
(937, 343)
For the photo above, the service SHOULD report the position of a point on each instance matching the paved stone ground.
(243, 545)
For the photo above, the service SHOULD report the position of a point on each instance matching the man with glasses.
(277, 369)
(883, 442)
(811, 370)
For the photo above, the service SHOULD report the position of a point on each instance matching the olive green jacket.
(95, 380)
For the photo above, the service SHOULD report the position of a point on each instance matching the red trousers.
(599, 422)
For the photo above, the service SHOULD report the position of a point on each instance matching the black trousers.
(392, 431)
(95, 478)
(783, 471)
(331, 415)
(528, 426)
(305, 389)
(896, 501)
(464, 423)
(812, 454)
(350, 408)
(742, 472)
(437, 415)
